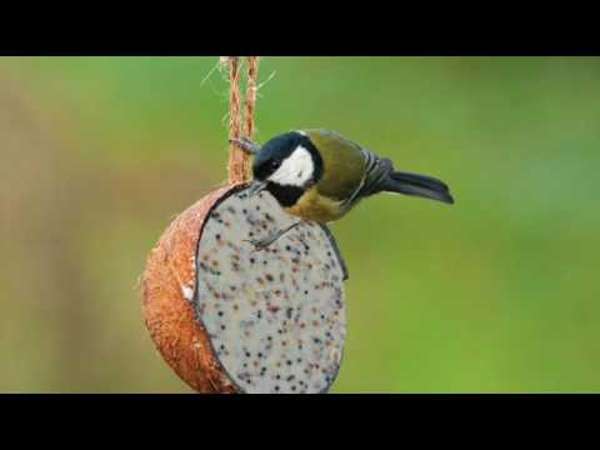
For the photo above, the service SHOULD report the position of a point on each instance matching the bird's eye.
(275, 164)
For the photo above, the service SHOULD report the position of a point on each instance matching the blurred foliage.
(498, 293)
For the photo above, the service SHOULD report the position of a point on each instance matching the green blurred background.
(499, 293)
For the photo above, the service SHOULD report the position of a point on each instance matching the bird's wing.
(343, 161)
(376, 171)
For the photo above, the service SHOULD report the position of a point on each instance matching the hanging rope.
(239, 162)
(251, 95)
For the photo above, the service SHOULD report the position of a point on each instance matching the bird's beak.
(256, 187)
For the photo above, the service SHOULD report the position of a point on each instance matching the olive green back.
(344, 164)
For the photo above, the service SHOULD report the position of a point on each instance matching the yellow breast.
(312, 206)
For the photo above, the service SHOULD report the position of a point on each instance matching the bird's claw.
(246, 144)
(259, 244)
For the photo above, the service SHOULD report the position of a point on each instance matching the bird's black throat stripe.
(286, 195)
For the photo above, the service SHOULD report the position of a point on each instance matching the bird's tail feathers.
(418, 185)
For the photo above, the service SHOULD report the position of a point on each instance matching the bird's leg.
(261, 244)
(246, 144)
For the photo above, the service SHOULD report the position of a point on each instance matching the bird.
(319, 175)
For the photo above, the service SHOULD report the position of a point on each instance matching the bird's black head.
(286, 166)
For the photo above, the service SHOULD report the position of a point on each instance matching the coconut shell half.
(229, 318)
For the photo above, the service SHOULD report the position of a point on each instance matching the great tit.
(319, 175)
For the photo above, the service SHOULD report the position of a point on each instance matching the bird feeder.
(229, 318)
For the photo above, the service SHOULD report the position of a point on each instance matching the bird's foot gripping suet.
(263, 243)
(246, 144)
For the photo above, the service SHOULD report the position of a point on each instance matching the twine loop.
(239, 161)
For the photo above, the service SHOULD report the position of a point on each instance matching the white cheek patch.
(295, 170)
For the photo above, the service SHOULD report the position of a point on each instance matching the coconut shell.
(178, 306)
(169, 316)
